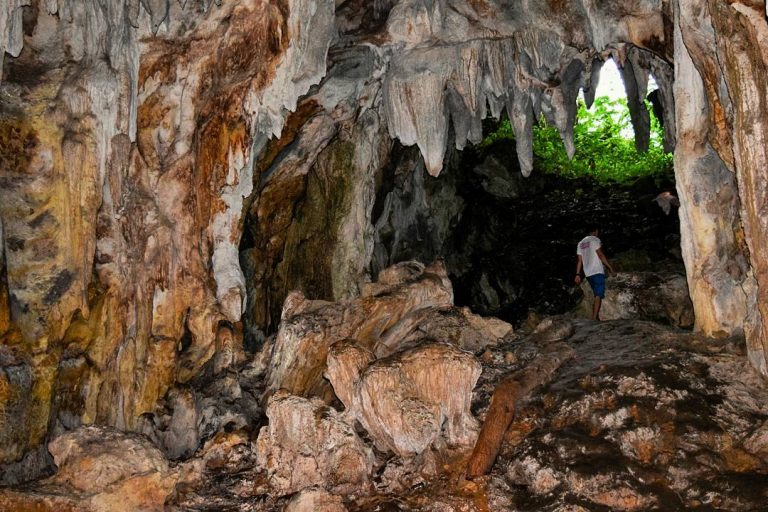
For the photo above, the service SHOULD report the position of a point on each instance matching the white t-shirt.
(587, 249)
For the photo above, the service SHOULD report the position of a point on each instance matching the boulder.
(100, 470)
(315, 500)
(308, 444)
(310, 327)
(457, 326)
(91, 458)
(658, 296)
(410, 401)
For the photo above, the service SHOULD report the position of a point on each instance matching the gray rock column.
(719, 274)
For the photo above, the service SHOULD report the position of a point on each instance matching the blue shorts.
(597, 282)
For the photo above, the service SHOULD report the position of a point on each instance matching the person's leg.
(597, 282)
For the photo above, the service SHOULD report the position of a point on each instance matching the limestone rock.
(485, 58)
(707, 191)
(346, 362)
(315, 500)
(660, 296)
(309, 328)
(553, 329)
(604, 428)
(312, 202)
(129, 133)
(412, 400)
(309, 444)
(720, 52)
(497, 179)
(133, 136)
(457, 326)
(415, 213)
(91, 459)
(224, 398)
(100, 470)
(224, 470)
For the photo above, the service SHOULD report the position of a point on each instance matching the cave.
(318, 255)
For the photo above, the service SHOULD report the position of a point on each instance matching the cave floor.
(643, 417)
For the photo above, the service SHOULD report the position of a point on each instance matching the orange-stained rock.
(99, 470)
(314, 500)
(721, 51)
(346, 362)
(124, 163)
(307, 443)
(412, 400)
(91, 459)
(457, 326)
(309, 328)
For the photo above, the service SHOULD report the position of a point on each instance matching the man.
(590, 256)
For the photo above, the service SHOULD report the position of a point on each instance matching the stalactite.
(427, 85)
(11, 34)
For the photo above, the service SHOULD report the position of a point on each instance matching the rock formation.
(657, 296)
(606, 435)
(127, 150)
(307, 444)
(171, 171)
(411, 401)
(637, 416)
(719, 105)
(100, 470)
(309, 328)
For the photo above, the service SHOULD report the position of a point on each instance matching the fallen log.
(502, 410)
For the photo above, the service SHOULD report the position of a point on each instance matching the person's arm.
(604, 260)
(578, 269)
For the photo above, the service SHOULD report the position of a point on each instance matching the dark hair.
(592, 227)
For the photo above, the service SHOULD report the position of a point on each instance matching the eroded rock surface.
(315, 501)
(658, 296)
(224, 398)
(658, 429)
(137, 139)
(310, 444)
(309, 328)
(642, 416)
(100, 470)
(128, 133)
(411, 401)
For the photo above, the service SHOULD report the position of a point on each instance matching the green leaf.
(605, 148)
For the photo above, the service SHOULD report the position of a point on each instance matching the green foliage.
(605, 145)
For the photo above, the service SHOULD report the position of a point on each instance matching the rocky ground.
(375, 404)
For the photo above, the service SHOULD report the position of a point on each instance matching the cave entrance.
(509, 241)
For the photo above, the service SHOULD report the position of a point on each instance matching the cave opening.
(509, 240)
